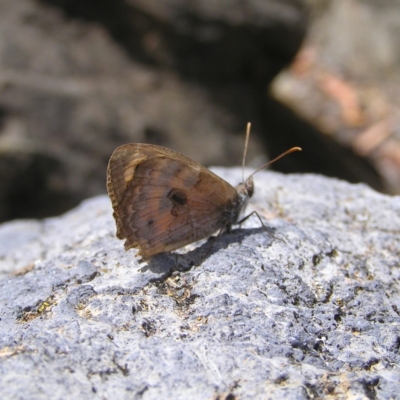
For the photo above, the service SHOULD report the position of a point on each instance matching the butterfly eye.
(249, 186)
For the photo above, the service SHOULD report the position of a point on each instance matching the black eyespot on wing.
(177, 197)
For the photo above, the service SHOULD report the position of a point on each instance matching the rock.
(345, 81)
(308, 309)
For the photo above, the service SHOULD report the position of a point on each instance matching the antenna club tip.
(291, 150)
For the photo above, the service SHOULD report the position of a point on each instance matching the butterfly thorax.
(244, 192)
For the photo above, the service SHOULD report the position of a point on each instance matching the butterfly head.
(246, 189)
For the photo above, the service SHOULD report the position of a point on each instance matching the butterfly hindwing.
(163, 200)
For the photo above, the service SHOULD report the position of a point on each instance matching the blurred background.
(80, 77)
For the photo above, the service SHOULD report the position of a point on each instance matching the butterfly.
(163, 200)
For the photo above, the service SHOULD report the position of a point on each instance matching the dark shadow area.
(31, 185)
(321, 153)
(171, 262)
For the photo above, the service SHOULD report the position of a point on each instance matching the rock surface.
(310, 312)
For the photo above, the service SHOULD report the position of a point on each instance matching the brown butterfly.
(162, 200)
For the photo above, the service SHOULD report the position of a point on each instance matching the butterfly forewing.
(163, 200)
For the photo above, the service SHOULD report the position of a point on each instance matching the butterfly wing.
(163, 200)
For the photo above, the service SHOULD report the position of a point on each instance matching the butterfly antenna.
(292, 150)
(246, 145)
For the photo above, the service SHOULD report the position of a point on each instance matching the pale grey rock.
(312, 312)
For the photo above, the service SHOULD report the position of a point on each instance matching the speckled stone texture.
(308, 310)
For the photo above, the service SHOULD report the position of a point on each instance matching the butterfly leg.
(264, 227)
(248, 216)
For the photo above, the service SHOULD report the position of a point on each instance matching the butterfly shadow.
(168, 263)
